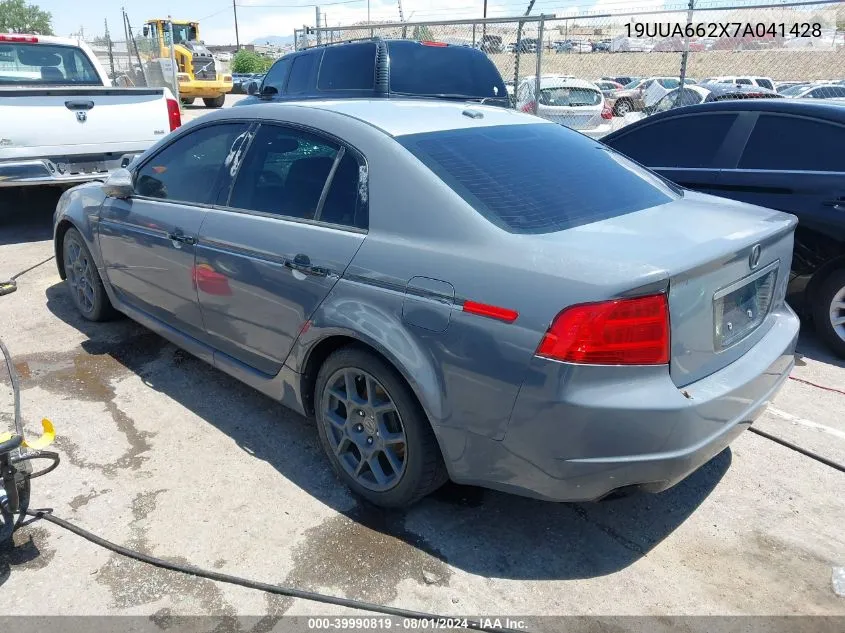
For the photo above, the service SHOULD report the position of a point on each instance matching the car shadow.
(26, 215)
(812, 347)
(482, 532)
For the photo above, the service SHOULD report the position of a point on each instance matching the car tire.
(83, 280)
(828, 305)
(187, 102)
(622, 108)
(216, 102)
(346, 442)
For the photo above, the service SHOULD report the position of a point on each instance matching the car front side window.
(194, 168)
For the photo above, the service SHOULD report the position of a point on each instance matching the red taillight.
(29, 39)
(529, 107)
(619, 332)
(493, 312)
(174, 114)
(429, 43)
(606, 113)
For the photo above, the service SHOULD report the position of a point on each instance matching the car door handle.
(836, 203)
(178, 236)
(302, 263)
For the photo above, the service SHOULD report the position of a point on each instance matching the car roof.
(829, 109)
(720, 88)
(398, 117)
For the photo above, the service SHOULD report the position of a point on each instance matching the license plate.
(87, 168)
(740, 308)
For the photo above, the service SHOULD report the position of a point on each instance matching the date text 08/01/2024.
(724, 29)
(422, 624)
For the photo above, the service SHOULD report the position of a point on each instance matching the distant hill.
(274, 40)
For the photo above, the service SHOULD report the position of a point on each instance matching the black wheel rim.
(364, 429)
(80, 274)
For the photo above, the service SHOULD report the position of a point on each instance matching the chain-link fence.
(636, 58)
(135, 62)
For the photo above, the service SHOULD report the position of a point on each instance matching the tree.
(16, 16)
(248, 62)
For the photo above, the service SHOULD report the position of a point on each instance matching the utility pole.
(484, 27)
(519, 46)
(684, 56)
(111, 52)
(237, 37)
(319, 32)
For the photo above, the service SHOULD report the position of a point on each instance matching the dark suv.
(383, 68)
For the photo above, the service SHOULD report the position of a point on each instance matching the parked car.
(492, 44)
(624, 80)
(762, 82)
(780, 86)
(575, 103)
(633, 97)
(782, 153)
(608, 88)
(707, 92)
(527, 45)
(224, 56)
(345, 258)
(383, 68)
(602, 46)
(825, 91)
(84, 127)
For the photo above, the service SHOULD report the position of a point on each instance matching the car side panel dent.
(373, 316)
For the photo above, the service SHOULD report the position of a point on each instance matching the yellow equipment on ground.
(197, 71)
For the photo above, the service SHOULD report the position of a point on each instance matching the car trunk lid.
(699, 248)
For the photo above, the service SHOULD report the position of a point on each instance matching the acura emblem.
(754, 258)
(81, 116)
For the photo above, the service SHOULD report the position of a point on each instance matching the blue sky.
(258, 18)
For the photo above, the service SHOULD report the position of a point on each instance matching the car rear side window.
(420, 69)
(301, 71)
(537, 178)
(348, 67)
(765, 83)
(682, 141)
(813, 145)
(569, 97)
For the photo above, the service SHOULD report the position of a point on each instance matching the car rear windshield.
(45, 64)
(423, 69)
(538, 178)
(569, 97)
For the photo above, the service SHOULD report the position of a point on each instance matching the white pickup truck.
(61, 120)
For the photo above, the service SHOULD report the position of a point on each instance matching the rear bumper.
(577, 433)
(50, 171)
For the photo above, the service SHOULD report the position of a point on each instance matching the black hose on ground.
(47, 515)
(798, 449)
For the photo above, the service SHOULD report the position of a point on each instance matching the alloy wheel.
(80, 273)
(364, 429)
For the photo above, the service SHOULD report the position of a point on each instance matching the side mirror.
(119, 185)
(146, 31)
(268, 91)
(251, 88)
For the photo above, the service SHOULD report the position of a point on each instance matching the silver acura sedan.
(452, 291)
